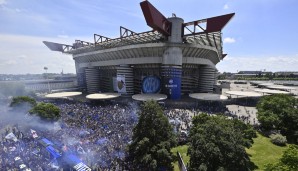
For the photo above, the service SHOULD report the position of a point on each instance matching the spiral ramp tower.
(206, 78)
(92, 79)
(107, 74)
(190, 78)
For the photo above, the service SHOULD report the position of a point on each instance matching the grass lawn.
(183, 152)
(263, 152)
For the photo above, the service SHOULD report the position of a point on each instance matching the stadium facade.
(175, 58)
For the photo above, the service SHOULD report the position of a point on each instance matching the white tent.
(244, 93)
(63, 94)
(102, 96)
(281, 87)
(147, 97)
(269, 91)
(208, 96)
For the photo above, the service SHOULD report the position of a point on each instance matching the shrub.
(46, 111)
(278, 139)
(19, 100)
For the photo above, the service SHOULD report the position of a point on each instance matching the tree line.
(216, 143)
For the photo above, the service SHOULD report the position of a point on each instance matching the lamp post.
(46, 68)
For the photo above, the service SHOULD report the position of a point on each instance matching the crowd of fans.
(97, 134)
(103, 131)
(212, 107)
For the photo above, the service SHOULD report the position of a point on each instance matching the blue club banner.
(151, 84)
(172, 82)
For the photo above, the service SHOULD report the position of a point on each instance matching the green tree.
(152, 140)
(279, 112)
(246, 131)
(218, 143)
(46, 111)
(20, 100)
(288, 161)
(290, 157)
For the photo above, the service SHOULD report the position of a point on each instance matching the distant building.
(226, 76)
(293, 74)
(247, 74)
(38, 83)
(44, 85)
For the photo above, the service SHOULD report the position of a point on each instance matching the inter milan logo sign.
(151, 84)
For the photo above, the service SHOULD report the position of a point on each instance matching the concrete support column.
(81, 77)
(172, 62)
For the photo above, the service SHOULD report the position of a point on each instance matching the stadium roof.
(147, 97)
(102, 96)
(208, 96)
(205, 32)
(213, 39)
(244, 93)
(63, 94)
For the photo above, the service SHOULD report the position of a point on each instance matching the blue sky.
(262, 35)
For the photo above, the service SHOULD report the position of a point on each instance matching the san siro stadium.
(175, 58)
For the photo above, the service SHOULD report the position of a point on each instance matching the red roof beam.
(218, 23)
(214, 24)
(155, 19)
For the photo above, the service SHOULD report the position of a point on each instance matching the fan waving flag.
(11, 136)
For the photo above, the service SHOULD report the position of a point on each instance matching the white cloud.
(8, 63)
(2, 2)
(270, 63)
(226, 6)
(63, 36)
(14, 17)
(21, 54)
(229, 40)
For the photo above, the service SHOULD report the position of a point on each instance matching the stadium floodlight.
(46, 69)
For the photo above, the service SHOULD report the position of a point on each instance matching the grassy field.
(263, 152)
(183, 152)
